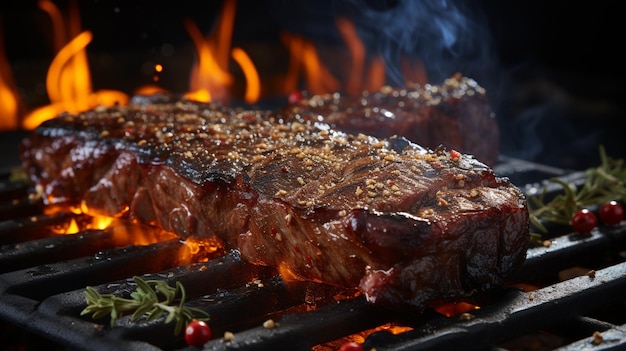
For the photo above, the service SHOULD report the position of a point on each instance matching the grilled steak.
(404, 223)
(455, 114)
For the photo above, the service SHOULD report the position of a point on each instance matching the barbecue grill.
(569, 295)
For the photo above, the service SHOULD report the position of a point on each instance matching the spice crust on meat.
(405, 224)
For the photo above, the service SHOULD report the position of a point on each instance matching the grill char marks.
(404, 223)
(455, 114)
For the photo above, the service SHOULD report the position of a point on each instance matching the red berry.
(612, 213)
(294, 97)
(197, 333)
(351, 346)
(584, 221)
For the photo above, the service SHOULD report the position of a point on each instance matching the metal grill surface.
(43, 276)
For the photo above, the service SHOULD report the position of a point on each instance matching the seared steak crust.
(455, 114)
(404, 223)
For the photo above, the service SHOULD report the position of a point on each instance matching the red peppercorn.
(294, 97)
(197, 333)
(455, 155)
(584, 221)
(611, 213)
(351, 346)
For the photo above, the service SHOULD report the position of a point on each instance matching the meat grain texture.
(403, 223)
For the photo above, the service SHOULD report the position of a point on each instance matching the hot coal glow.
(124, 232)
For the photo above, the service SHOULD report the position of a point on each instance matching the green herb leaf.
(151, 300)
(602, 184)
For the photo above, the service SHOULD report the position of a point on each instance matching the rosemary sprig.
(150, 300)
(602, 184)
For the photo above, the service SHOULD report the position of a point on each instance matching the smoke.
(547, 123)
(554, 104)
(446, 36)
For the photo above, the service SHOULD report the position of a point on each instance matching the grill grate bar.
(21, 207)
(12, 190)
(301, 331)
(43, 276)
(42, 281)
(62, 311)
(517, 312)
(49, 250)
(25, 229)
(574, 249)
(611, 339)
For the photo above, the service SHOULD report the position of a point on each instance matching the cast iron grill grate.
(575, 296)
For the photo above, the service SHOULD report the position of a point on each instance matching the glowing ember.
(101, 222)
(196, 250)
(80, 220)
(125, 232)
(454, 309)
(149, 90)
(392, 328)
(360, 337)
(73, 228)
(286, 274)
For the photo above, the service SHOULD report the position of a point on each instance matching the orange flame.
(8, 106)
(73, 227)
(57, 22)
(69, 88)
(304, 56)
(123, 232)
(287, 274)
(356, 47)
(414, 71)
(200, 250)
(210, 78)
(85, 221)
(68, 82)
(362, 75)
(9, 100)
(253, 83)
(126, 232)
(376, 74)
(101, 222)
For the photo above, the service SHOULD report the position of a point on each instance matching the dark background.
(552, 69)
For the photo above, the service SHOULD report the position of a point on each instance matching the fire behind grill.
(43, 276)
